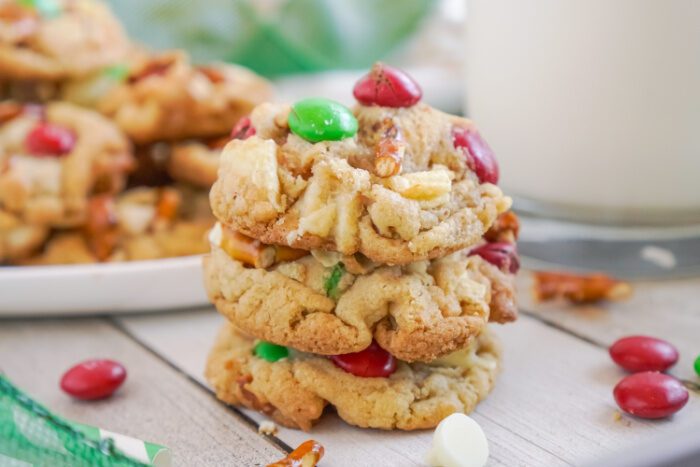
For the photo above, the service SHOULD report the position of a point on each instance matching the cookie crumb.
(268, 428)
(618, 417)
(661, 257)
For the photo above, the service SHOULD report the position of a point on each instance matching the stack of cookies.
(107, 150)
(358, 258)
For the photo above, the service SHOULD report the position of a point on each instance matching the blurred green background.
(276, 37)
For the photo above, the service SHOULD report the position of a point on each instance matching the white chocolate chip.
(43, 174)
(267, 427)
(661, 257)
(135, 218)
(253, 159)
(327, 258)
(458, 442)
(216, 235)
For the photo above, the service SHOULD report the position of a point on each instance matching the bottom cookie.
(295, 390)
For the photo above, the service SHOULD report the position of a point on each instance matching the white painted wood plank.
(552, 405)
(666, 309)
(156, 403)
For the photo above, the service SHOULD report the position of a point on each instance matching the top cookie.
(398, 184)
(57, 39)
(165, 97)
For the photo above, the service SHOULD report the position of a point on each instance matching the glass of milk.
(593, 109)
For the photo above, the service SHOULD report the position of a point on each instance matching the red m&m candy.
(47, 139)
(480, 156)
(650, 394)
(501, 254)
(370, 362)
(93, 379)
(243, 129)
(388, 87)
(643, 353)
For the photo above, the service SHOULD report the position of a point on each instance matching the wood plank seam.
(559, 327)
(690, 385)
(505, 428)
(275, 441)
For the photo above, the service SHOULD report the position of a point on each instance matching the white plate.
(102, 288)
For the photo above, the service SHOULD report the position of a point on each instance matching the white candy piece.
(458, 442)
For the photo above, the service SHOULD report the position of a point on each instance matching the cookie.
(278, 187)
(18, 240)
(196, 162)
(55, 40)
(54, 157)
(164, 97)
(139, 224)
(329, 304)
(294, 391)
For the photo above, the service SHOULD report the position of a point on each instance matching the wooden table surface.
(552, 404)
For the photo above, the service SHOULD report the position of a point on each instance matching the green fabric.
(31, 434)
(291, 36)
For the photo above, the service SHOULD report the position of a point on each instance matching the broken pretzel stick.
(505, 229)
(577, 288)
(306, 455)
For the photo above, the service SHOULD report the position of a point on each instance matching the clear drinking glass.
(593, 109)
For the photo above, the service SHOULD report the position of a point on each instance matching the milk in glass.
(592, 106)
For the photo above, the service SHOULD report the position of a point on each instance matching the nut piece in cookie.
(294, 391)
(57, 39)
(332, 304)
(53, 158)
(389, 182)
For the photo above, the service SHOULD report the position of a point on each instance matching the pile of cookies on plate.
(359, 256)
(107, 150)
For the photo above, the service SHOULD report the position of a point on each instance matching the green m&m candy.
(697, 365)
(117, 72)
(317, 119)
(269, 351)
(89, 91)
